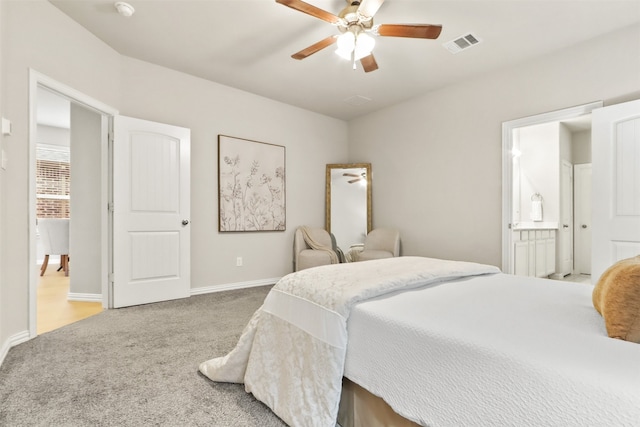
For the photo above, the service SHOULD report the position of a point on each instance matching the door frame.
(579, 213)
(565, 244)
(37, 79)
(507, 168)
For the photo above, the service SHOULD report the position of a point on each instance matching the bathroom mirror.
(348, 203)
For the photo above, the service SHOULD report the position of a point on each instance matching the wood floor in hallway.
(54, 310)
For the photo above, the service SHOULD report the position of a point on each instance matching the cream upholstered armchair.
(380, 243)
(54, 234)
(312, 247)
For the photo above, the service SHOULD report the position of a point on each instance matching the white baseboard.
(232, 286)
(75, 296)
(12, 341)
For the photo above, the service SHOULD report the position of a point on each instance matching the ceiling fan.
(355, 22)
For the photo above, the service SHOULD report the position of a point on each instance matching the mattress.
(497, 350)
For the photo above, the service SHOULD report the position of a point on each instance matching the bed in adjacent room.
(435, 343)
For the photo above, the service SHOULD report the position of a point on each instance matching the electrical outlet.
(239, 261)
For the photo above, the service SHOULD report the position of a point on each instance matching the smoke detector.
(124, 9)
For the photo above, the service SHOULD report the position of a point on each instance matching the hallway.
(54, 310)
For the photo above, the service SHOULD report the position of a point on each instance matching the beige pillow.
(616, 296)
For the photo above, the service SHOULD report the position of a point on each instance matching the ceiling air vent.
(461, 43)
(357, 100)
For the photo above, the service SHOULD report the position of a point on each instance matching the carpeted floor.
(135, 366)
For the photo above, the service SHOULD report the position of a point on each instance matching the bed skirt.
(360, 408)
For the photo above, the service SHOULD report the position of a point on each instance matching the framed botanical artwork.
(251, 185)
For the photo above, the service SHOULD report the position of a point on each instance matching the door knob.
(584, 225)
(185, 221)
(565, 225)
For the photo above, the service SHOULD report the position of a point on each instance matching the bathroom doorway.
(539, 206)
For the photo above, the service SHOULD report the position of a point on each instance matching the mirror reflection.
(348, 203)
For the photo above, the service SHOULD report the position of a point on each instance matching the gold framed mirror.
(348, 203)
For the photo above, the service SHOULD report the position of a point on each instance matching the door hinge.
(111, 278)
(110, 207)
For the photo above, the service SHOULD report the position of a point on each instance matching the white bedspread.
(495, 351)
(291, 354)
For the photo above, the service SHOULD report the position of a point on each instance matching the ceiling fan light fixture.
(364, 45)
(359, 46)
(346, 43)
(355, 22)
(343, 54)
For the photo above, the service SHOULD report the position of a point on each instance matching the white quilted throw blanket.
(291, 354)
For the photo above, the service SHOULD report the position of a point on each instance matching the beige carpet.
(135, 366)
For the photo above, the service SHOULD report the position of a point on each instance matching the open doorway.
(57, 305)
(546, 233)
(83, 203)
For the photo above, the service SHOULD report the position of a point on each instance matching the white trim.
(54, 147)
(507, 171)
(37, 79)
(53, 196)
(12, 341)
(232, 286)
(71, 93)
(75, 296)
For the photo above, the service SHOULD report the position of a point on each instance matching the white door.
(616, 185)
(566, 228)
(150, 212)
(582, 218)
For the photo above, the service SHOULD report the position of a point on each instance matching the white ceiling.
(247, 44)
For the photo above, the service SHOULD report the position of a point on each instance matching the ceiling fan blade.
(315, 48)
(418, 31)
(310, 10)
(369, 63)
(369, 8)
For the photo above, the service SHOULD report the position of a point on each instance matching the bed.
(433, 343)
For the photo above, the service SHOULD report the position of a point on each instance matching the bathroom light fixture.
(124, 9)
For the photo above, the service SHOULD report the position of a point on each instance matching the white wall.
(581, 147)
(85, 233)
(540, 170)
(52, 135)
(45, 39)
(48, 41)
(209, 109)
(566, 148)
(449, 205)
